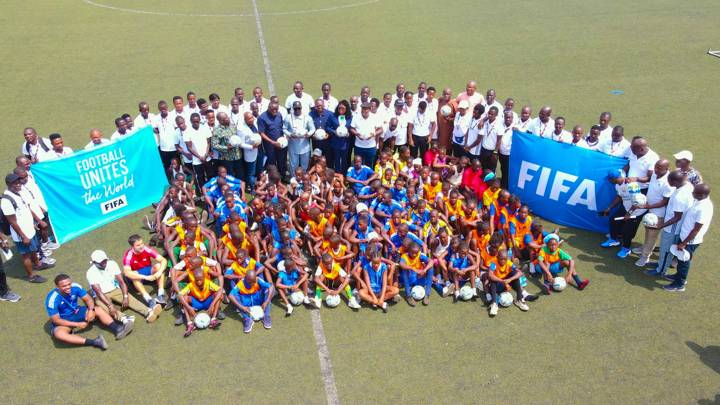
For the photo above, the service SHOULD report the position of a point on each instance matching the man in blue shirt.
(270, 126)
(66, 314)
(360, 175)
(249, 292)
(320, 116)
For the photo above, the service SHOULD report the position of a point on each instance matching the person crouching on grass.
(377, 288)
(201, 294)
(504, 275)
(290, 279)
(67, 316)
(553, 260)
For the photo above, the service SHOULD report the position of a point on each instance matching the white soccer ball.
(446, 110)
(639, 199)
(466, 293)
(235, 140)
(202, 320)
(320, 135)
(296, 298)
(650, 219)
(257, 313)
(633, 187)
(342, 132)
(332, 301)
(506, 299)
(255, 139)
(418, 292)
(559, 283)
(283, 142)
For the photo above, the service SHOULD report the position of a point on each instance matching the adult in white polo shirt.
(461, 125)
(491, 101)
(421, 93)
(680, 200)
(168, 136)
(144, 118)
(306, 100)
(386, 109)
(641, 161)
(197, 139)
(192, 103)
(524, 120)
(401, 134)
(605, 128)
(490, 144)
(33, 144)
(560, 134)
(510, 106)
(543, 125)
(182, 149)
(179, 110)
(57, 150)
(592, 141)
(329, 101)
(243, 106)
(658, 196)
(96, 139)
(121, 131)
(216, 106)
(473, 140)
(262, 102)
(432, 108)
(367, 131)
(109, 288)
(694, 226)
(422, 125)
(617, 145)
(236, 113)
(505, 134)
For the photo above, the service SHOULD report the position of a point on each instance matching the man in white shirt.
(605, 128)
(680, 200)
(108, 287)
(658, 195)
(367, 133)
(185, 154)
(33, 145)
(559, 134)
(167, 134)
(473, 141)
(491, 101)
(298, 127)
(399, 93)
(617, 145)
(490, 139)
(543, 125)
(510, 106)
(355, 106)
(192, 104)
(262, 102)
(57, 150)
(422, 125)
(144, 117)
(432, 108)
(243, 106)
(121, 131)
(236, 114)
(410, 107)
(22, 227)
(525, 120)
(364, 95)
(216, 106)
(329, 101)
(641, 161)
(386, 109)
(96, 139)
(461, 125)
(592, 141)
(577, 137)
(251, 142)
(694, 225)
(306, 100)
(401, 133)
(36, 202)
(197, 139)
(471, 95)
(505, 133)
(179, 110)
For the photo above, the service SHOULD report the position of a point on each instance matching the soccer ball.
(296, 298)
(418, 292)
(255, 139)
(257, 313)
(235, 141)
(320, 135)
(650, 219)
(559, 283)
(332, 301)
(466, 293)
(342, 132)
(202, 320)
(506, 299)
(633, 187)
(639, 199)
(445, 110)
(283, 142)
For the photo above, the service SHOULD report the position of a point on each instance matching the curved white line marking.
(172, 14)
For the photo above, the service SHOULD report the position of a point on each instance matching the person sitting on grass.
(292, 278)
(462, 269)
(67, 316)
(503, 276)
(377, 288)
(416, 269)
(553, 260)
(249, 292)
(138, 266)
(333, 280)
(200, 294)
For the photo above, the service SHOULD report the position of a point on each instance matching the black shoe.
(531, 297)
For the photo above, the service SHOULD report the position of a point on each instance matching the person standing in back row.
(270, 125)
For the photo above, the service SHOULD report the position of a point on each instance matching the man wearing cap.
(679, 202)
(367, 133)
(306, 101)
(108, 287)
(461, 125)
(543, 125)
(298, 128)
(320, 116)
(641, 161)
(693, 226)
(683, 161)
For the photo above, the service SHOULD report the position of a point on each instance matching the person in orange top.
(314, 227)
(340, 252)
(518, 227)
(452, 207)
(229, 246)
(433, 189)
(333, 280)
(201, 294)
(469, 216)
(503, 276)
(553, 260)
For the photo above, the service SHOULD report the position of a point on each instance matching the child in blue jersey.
(66, 315)
(249, 292)
(462, 269)
(291, 279)
(416, 269)
(359, 175)
(378, 288)
(386, 207)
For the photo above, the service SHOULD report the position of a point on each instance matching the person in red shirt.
(138, 266)
(472, 180)
(431, 154)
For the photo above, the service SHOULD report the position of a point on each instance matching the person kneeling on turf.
(249, 292)
(504, 275)
(292, 278)
(376, 290)
(553, 260)
(417, 269)
(332, 279)
(67, 316)
(200, 294)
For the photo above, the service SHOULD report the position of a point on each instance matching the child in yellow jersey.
(553, 260)
(200, 295)
(333, 280)
(503, 276)
(452, 206)
(242, 265)
(432, 191)
(416, 270)
(469, 216)
(388, 178)
(518, 227)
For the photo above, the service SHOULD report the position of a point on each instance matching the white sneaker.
(445, 291)
(48, 260)
(522, 305)
(642, 261)
(456, 294)
(532, 268)
(475, 294)
(46, 252)
(306, 300)
(127, 318)
(493, 309)
(352, 303)
(50, 245)
(289, 309)
(384, 306)
(317, 302)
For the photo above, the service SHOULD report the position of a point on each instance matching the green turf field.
(71, 65)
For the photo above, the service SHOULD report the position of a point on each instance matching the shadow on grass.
(715, 401)
(47, 327)
(709, 355)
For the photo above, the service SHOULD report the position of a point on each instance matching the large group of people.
(370, 200)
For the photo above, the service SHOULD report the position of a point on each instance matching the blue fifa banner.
(91, 188)
(562, 183)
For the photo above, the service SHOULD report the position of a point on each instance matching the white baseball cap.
(684, 154)
(317, 152)
(464, 104)
(682, 255)
(98, 256)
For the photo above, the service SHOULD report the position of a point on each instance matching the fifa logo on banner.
(563, 185)
(114, 204)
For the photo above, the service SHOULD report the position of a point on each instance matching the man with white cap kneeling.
(108, 287)
(683, 161)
